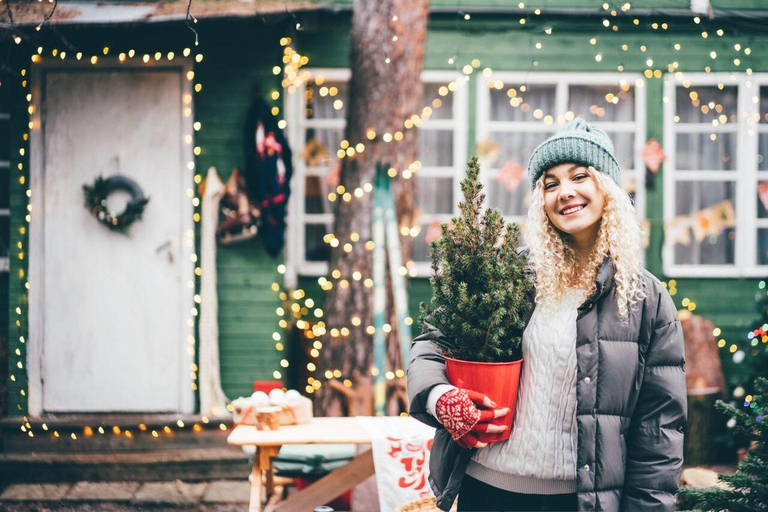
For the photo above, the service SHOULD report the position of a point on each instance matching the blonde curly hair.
(553, 257)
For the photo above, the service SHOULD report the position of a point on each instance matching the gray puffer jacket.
(631, 402)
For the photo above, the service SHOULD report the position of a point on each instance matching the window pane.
(316, 195)
(516, 104)
(419, 245)
(510, 202)
(321, 145)
(710, 248)
(442, 106)
(434, 195)
(596, 102)
(703, 104)
(697, 151)
(326, 101)
(624, 149)
(436, 148)
(517, 146)
(762, 246)
(314, 246)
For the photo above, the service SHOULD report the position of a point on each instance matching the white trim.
(745, 176)
(36, 250)
(296, 264)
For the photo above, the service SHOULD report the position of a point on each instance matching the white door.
(112, 324)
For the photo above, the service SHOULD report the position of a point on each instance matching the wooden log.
(705, 384)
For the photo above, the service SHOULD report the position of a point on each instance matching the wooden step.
(111, 433)
(146, 466)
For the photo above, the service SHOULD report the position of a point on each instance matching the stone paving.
(213, 496)
(126, 496)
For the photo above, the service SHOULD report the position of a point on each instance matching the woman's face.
(573, 201)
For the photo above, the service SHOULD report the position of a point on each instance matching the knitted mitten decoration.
(458, 412)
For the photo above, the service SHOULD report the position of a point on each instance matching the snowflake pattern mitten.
(457, 412)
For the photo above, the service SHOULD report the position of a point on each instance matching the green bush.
(747, 490)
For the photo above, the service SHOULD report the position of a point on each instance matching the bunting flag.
(710, 221)
(646, 227)
(677, 230)
(725, 214)
(488, 151)
(762, 193)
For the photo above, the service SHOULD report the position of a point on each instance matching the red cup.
(498, 381)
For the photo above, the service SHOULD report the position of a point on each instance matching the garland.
(96, 202)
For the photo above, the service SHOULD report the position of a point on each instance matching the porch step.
(111, 433)
(147, 466)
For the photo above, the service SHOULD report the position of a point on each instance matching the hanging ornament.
(433, 232)
(96, 202)
(511, 175)
(333, 177)
(653, 155)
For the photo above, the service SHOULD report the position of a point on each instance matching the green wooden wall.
(500, 43)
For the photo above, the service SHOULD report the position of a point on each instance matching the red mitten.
(457, 411)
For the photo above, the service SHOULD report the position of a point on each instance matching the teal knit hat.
(578, 142)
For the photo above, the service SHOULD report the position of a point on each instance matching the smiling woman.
(585, 436)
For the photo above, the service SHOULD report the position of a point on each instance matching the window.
(715, 174)
(518, 111)
(316, 119)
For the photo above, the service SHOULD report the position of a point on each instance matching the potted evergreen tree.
(480, 298)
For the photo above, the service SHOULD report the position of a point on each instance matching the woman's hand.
(458, 411)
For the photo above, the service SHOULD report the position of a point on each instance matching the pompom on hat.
(578, 142)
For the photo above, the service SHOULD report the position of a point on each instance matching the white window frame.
(297, 124)
(745, 175)
(484, 125)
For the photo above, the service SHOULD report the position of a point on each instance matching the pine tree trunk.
(381, 97)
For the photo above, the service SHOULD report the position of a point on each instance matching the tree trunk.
(381, 97)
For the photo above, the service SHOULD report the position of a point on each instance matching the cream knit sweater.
(540, 455)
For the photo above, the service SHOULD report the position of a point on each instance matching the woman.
(602, 402)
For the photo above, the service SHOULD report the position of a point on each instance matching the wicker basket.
(428, 504)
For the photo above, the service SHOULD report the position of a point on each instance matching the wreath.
(96, 202)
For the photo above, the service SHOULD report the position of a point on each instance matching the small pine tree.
(479, 281)
(748, 488)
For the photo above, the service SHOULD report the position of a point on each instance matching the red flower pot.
(498, 381)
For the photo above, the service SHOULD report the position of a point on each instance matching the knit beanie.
(578, 142)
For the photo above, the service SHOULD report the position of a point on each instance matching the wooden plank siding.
(238, 53)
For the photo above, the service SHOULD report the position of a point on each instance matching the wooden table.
(317, 431)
